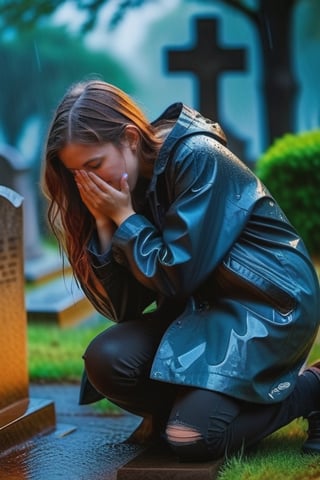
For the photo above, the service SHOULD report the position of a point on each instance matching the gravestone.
(207, 61)
(15, 174)
(39, 262)
(21, 417)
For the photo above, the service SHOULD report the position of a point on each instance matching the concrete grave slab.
(60, 300)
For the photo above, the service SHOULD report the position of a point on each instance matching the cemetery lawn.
(55, 356)
(55, 353)
(277, 457)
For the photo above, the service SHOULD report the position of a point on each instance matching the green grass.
(55, 354)
(278, 457)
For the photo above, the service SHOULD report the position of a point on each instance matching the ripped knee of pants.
(187, 442)
(179, 433)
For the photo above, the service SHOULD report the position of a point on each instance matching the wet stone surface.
(85, 445)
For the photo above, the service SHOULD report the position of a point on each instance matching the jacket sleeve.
(195, 234)
(128, 297)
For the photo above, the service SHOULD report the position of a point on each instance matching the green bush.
(290, 169)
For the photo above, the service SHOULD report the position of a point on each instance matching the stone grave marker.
(21, 417)
(39, 262)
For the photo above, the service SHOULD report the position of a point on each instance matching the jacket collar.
(188, 122)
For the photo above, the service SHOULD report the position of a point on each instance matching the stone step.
(158, 463)
(24, 419)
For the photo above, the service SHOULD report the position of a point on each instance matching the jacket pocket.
(243, 281)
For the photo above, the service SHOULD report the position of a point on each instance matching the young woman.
(213, 294)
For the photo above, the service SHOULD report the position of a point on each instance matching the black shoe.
(312, 444)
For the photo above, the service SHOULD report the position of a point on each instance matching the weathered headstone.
(21, 417)
(39, 262)
(15, 174)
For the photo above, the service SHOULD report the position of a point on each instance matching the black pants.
(118, 363)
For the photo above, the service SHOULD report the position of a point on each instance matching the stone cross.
(207, 61)
(20, 416)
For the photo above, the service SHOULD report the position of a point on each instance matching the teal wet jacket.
(228, 272)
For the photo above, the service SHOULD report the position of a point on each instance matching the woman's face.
(106, 160)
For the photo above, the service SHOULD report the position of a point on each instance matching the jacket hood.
(188, 122)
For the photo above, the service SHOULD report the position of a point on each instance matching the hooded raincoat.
(228, 272)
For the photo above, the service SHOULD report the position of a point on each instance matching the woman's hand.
(102, 200)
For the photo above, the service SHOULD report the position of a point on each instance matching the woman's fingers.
(102, 199)
(88, 182)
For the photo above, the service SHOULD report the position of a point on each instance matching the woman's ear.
(131, 137)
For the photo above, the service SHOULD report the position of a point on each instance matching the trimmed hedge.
(290, 169)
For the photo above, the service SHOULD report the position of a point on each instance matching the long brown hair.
(93, 112)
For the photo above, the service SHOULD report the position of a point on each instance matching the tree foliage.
(23, 14)
(39, 65)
